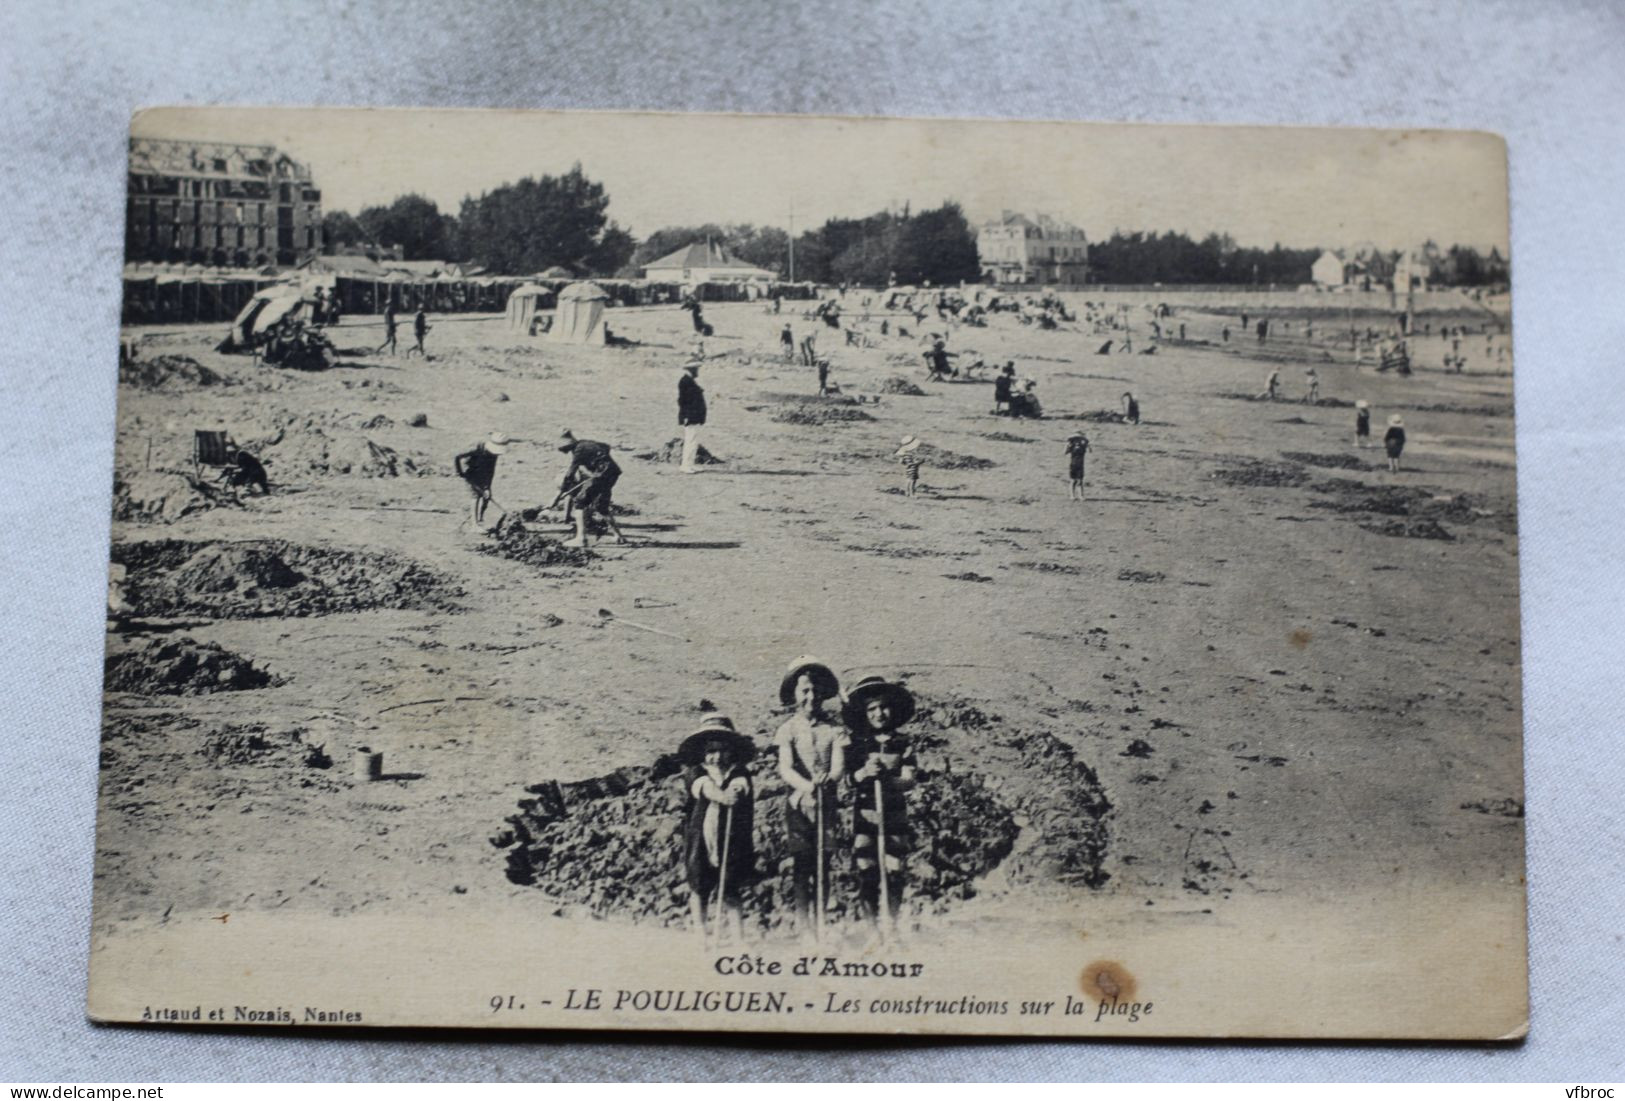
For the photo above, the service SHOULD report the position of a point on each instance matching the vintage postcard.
(819, 575)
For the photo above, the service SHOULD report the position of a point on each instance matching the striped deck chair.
(210, 448)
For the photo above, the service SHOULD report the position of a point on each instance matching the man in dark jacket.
(690, 413)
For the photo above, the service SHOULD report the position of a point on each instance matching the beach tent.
(265, 309)
(525, 303)
(579, 318)
(556, 272)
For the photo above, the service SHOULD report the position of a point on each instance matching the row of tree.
(563, 221)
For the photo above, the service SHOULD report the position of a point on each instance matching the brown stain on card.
(1108, 980)
(1299, 638)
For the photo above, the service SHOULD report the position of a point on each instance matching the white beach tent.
(526, 301)
(264, 310)
(579, 317)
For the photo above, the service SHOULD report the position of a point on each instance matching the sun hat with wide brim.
(824, 679)
(716, 729)
(1362, 404)
(854, 710)
(1076, 436)
(909, 444)
(1396, 421)
(497, 443)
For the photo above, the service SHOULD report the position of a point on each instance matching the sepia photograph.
(613, 570)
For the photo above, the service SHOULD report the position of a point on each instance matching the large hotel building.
(219, 203)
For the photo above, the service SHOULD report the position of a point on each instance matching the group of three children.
(863, 753)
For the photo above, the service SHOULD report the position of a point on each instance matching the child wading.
(908, 453)
(812, 760)
(883, 770)
(1394, 441)
(719, 851)
(1077, 446)
(1362, 423)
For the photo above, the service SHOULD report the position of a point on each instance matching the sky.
(1262, 185)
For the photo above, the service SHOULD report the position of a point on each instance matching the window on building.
(260, 237)
(239, 236)
(219, 236)
(259, 214)
(239, 213)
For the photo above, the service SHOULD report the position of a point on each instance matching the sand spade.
(722, 872)
(607, 617)
(818, 876)
(880, 843)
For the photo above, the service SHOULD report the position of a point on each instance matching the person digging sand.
(1393, 442)
(719, 848)
(908, 453)
(589, 482)
(812, 760)
(883, 768)
(1077, 447)
(477, 467)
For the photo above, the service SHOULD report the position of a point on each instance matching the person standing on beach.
(1394, 442)
(1131, 408)
(1272, 386)
(1313, 397)
(884, 770)
(1001, 387)
(420, 329)
(908, 453)
(787, 343)
(690, 413)
(1362, 423)
(1077, 447)
(812, 760)
(389, 328)
(719, 847)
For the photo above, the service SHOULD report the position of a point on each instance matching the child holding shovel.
(477, 468)
(812, 760)
(883, 770)
(719, 850)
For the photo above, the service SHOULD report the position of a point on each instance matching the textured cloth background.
(1549, 76)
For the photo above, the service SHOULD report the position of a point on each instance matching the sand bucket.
(368, 766)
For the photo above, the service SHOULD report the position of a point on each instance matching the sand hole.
(613, 843)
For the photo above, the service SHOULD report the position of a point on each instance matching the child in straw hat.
(1394, 441)
(884, 768)
(719, 851)
(812, 760)
(908, 453)
(477, 467)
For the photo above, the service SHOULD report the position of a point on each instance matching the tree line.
(563, 221)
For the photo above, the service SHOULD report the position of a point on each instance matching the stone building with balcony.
(221, 204)
(1017, 249)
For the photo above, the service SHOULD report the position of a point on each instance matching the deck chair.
(210, 448)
